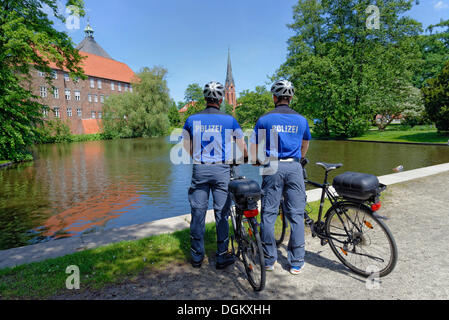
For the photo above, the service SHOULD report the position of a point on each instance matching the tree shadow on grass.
(422, 137)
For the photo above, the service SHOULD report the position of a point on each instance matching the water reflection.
(76, 188)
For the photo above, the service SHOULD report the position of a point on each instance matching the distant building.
(81, 102)
(230, 95)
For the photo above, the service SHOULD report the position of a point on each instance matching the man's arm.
(188, 145)
(242, 146)
(304, 148)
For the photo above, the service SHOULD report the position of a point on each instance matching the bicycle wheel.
(360, 240)
(280, 227)
(233, 233)
(252, 254)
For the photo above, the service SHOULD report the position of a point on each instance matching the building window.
(119, 85)
(56, 93)
(126, 87)
(41, 74)
(99, 83)
(45, 112)
(130, 88)
(95, 98)
(92, 83)
(100, 115)
(89, 97)
(77, 95)
(112, 86)
(69, 112)
(79, 112)
(54, 74)
(93, 114)
(67, 94)
(43, 92)
(102, 98)
(66, 77)
(56, 112)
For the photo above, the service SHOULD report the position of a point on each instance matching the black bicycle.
(245, 233)
(356, 234)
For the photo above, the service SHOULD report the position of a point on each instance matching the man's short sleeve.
(187, 130)
(238, 133)
(307, 135)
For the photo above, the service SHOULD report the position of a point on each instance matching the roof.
(91, 46)
(100, 67)
(187, 106)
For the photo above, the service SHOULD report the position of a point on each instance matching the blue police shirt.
(290, 127)
(212, 133)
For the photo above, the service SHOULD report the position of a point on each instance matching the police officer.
(292, 134)
(208, 136)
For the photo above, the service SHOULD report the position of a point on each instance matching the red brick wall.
(75, 122)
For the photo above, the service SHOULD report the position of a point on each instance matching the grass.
(4, 161)
(106, 265)
(397, 133)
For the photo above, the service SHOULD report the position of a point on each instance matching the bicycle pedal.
(324, 242)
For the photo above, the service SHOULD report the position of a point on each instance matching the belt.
(290, 160)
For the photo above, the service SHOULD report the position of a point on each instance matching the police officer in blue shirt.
(208, 136)
(287, 135)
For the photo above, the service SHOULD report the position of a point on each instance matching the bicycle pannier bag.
(246, 193)
(355, 185)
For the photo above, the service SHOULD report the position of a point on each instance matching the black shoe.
(196, 264)
(228, 260)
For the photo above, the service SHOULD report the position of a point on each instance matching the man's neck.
(282, 105)
(212, 106)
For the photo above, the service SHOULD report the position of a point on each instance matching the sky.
(190, 38)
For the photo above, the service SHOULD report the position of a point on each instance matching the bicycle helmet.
(283, 88)
(214, 90)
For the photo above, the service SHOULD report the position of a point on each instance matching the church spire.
(88, 31)
(230, 95)
(229, 76)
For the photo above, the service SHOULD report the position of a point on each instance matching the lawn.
(4, 161)
(110, 264)
(397, 133)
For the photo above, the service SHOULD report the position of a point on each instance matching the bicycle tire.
(280, 227)
(252, 254)
(365, 240)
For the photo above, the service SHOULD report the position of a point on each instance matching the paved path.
(418, 212)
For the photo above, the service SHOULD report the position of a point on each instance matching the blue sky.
(191, 37)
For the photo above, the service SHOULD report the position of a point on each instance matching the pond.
(77, 188)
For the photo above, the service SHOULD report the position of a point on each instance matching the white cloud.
(441, 5)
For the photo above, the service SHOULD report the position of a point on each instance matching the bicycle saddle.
(329, 166)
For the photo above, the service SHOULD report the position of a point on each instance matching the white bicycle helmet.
(283, 88)
(214, 90)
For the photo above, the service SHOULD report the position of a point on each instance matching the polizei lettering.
(245, 309)
(285, 129)
(208, 128)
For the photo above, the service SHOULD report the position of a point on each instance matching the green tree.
(28, 42)
(252, 105)
(436, 99)
(142, 113)
(340, 67)
(193, 93)
(173, 116)
(434, 47)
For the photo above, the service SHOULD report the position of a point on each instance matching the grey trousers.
(288, 182)
(205, 179)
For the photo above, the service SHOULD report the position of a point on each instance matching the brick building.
(81, 102)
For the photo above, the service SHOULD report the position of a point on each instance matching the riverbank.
(398, 134)
(125, 262)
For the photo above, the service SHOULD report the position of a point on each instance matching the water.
(78, 188)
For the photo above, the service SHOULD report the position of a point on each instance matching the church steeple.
(88, 31)
(230, 84)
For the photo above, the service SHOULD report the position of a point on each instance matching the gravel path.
(418, 212)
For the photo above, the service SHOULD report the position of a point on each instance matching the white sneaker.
(296, 270)
(269, 268)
